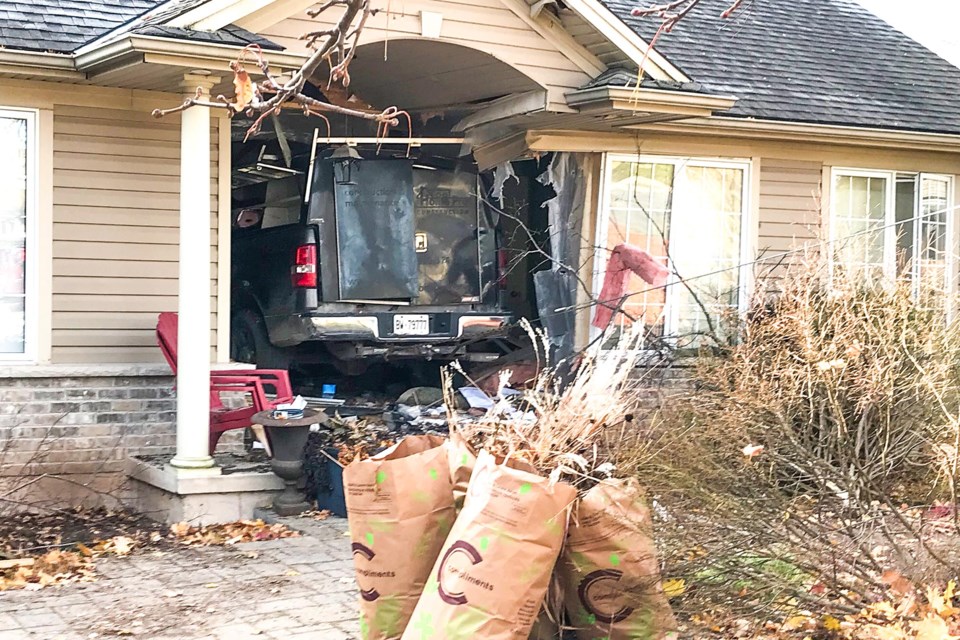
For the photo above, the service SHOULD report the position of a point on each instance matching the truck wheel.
(250, 343)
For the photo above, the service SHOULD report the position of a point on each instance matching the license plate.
(411, 325)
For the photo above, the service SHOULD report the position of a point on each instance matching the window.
(689, 214)
(16, 234)
(886, 224)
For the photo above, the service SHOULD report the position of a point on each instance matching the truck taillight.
(304, 269)
(502, 268)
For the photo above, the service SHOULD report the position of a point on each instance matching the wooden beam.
(505, 107)
(273, 13)
(550, 28)
(492, 154)
(625, 39)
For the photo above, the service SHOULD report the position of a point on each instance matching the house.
(748, 137)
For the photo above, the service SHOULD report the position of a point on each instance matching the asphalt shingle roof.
(63, 26)
(820, 61)
(231, 34)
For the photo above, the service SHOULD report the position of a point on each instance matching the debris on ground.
(230, 533)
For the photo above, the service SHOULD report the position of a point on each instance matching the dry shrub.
(780, 474)
(568, 424)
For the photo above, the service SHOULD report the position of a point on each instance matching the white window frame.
(31, 264)
(890, 221)
(601, 256)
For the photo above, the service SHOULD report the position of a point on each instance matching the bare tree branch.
(335, 46)
(673, 12)
(670, 14)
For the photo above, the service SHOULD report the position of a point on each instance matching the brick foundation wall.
(655, 385)
(66, 432)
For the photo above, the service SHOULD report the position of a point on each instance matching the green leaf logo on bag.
(453, 567)
(598, 593)
(367, 553)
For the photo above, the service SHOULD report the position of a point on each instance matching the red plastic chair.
(256, 382)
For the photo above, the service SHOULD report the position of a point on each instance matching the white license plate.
(411, 325)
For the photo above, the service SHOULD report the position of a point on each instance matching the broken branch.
(340, 41)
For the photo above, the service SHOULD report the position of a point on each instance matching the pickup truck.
(366, 259)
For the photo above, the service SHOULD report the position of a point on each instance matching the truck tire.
(250, 343)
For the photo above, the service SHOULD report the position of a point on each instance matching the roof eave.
(813, 132)
(39, 64)
(680, 103)
(200, 55)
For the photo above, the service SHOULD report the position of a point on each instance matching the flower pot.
(287, 443)
(329, 479)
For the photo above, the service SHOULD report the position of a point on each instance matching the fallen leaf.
(121, 545)
(794, 623)
(897, 583)
(674, 587)
(830, 623)
(932, 628)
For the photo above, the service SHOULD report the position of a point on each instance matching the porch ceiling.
(424, 74)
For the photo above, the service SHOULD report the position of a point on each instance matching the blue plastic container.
(330, 494)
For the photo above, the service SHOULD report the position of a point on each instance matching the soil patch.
(30, 534)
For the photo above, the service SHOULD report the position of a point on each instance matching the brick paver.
(292, 589)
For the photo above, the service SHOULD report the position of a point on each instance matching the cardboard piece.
(494, 569)
(400, 508)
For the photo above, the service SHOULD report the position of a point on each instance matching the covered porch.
(481, 100)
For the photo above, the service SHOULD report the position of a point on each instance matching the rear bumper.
(446, 327)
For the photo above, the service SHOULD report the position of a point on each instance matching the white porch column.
(193, 338)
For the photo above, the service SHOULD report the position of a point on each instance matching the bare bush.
(782, 474)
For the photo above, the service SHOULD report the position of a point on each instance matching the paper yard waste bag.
(495, 566)
(609, 570)
(462, 460)
(400, 508)
(544, 628)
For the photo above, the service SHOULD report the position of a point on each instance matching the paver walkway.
(294, 588)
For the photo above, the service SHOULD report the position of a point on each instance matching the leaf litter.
(59, 548)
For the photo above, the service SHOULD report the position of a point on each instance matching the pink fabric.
(624, 259)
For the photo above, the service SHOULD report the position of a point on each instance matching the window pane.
(700, 229)
(905, 208)
(708, 252)
(931, 243)
(640, 203)
(12, 324)
(13, 233)
(860, 211)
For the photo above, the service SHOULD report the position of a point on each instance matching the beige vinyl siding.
(789, 210)
(485, 25)
(116, 201)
